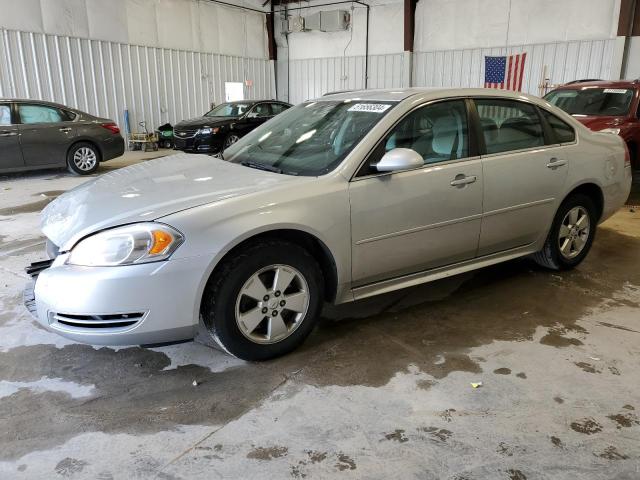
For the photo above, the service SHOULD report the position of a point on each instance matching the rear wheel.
(263, 302)
(83, 158)
(571, 234)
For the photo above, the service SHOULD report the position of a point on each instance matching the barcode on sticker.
(615, 90)
(370, 107)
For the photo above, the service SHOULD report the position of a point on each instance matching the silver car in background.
(336, 199)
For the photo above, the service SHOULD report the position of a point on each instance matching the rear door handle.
(462, 180)
(65, 129)
(555, 163)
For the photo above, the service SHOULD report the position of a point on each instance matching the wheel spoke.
(564, 231)
(579, 242)
(296, 302)
(583, 221)
(277, 327)
(573, 216)
(252, 319)
(255, 289)
(566, 247)
(282, 279)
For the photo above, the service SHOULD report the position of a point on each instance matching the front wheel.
(263, 302)
(571, 235)
(230, 140)
(83, 158)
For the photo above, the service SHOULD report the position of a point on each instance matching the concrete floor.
(381, 390)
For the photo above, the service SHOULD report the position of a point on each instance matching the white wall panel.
(566, 61)
(313, 77)
(157, 85)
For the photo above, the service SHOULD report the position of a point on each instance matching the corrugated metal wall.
(157, 85)
(313, 77)
(565, 60)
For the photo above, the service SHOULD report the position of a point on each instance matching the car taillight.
(112, 127)
(627, 156)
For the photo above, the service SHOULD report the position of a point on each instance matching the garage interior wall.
(163, 60)
(451, 39)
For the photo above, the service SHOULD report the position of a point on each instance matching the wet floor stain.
(433, 327)
(587, 367)
(502, 371)
(316, 456)
(397, 436)
(557, 442)
(557, 336)
(624, 420)
(438, 435)
(588, 426)
(559, 400)
(516, 475)
(26, 208)
(612, 453)
(267, 453)
(68, 467)
(345, 462)
(618, 327)
(521, 375)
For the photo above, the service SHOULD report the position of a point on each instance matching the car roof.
(399, 94)
(600, 83)
(40, 102)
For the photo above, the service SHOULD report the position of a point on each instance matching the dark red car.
(612, 106)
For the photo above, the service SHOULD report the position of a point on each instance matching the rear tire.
(263, 302)
(83, 158)
(571, 235)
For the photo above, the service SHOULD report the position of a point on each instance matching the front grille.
(119, 320)
(185, 133)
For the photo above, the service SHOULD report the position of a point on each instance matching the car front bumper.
(200, 144)
(125, 305)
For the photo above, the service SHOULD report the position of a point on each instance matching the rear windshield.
(593, 101)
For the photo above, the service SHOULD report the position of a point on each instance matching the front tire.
(571, 235)
(230, 140)
(263, 302)
(83, 158)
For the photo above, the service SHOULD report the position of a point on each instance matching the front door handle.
(461, 180)
(555, 163)
(65, 129)
(7, 133)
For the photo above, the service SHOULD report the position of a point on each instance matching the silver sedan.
(337, 199)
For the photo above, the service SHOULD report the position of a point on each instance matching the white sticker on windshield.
(370, 107)
(615, 90)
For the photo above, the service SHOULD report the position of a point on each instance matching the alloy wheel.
(272, 304)
(231, 139)
(574, 232)
(85, 159)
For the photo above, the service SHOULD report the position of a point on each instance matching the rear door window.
(509, 125)
(563, 132)
(277, 108)
(5, 114)
(40, 114)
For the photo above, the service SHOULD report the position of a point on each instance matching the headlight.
(209, 130)
(137, 243)
(615, 131)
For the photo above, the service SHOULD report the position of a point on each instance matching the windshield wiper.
(261, 166)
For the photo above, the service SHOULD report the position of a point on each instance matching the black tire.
(229, 140)
(223, 289)
(551, 255)
(79, 167)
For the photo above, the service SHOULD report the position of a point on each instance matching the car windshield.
(229, 110)
(310, 139)
(592, 101)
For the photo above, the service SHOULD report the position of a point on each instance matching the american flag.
(504, 72)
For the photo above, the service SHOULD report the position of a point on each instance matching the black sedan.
(36, 134)
(224, 125)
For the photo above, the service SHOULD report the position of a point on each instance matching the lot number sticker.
(370, 107)
(615, 90)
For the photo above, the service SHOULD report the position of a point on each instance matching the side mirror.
(399, 159)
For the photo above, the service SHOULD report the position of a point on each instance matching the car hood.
(202, 121)
(598, 122)
(148, 191)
